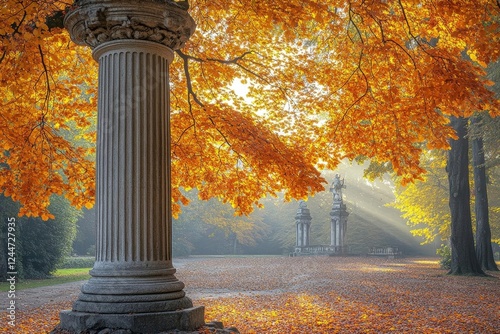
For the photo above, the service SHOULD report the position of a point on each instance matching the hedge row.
(77, 262)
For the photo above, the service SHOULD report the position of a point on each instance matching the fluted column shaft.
(333, 230)
(338, 225)
(133, 167)
(337, 232)
(133, 271)
(298, 236)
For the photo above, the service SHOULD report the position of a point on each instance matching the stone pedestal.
(338, 222)
(338, 227)
(133, 284)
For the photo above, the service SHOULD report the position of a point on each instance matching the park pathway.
(36, 297)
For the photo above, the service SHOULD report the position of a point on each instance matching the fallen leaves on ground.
(325, 295)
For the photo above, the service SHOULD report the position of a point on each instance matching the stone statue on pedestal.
(338, 217)
(336, 188)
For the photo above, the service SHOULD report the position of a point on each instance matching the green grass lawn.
(59, 277)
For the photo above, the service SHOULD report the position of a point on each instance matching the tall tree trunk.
(484, 250)
(463, 255)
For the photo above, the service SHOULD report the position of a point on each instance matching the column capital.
(93, 22)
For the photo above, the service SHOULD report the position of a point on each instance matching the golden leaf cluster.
(47, 110)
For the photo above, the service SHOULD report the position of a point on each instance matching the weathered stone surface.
(132, 307)
(99, 21)
(215, 327)
(144, 323)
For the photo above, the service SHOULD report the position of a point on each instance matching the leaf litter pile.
(325, 295)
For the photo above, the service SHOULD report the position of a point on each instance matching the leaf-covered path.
(324, 295)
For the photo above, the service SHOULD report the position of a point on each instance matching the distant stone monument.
(338, 217)
(303, 224)
(338, 226)
(336, 188)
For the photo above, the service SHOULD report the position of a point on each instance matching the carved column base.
(131, 303)
(132, 288)
(139, 323)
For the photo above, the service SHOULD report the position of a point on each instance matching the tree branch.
(46, 71)
(3, 56)
(189, 85)
(354, 24)
(16, 26)
(384, 40)
(360, 97)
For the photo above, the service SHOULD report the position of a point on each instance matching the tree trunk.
(235, 246)
(463, 255)
(484, 250)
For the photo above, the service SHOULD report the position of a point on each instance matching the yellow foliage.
(425, 203)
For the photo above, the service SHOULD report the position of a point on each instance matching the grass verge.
(59, 277)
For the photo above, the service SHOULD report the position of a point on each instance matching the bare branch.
(235, 61)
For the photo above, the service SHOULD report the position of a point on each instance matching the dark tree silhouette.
(463, 255)
(484, 250)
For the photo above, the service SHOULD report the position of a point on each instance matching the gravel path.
(37, 297)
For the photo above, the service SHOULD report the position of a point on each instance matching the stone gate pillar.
(303, 225)
(133, 285)
(338, 223)
(338, 227)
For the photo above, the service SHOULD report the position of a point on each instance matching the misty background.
(211, 228)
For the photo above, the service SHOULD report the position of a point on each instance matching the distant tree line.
(39, 245)
(210, 227)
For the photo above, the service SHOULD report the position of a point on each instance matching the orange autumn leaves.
(36, 321)
(304, 313)
(282, 295)
(47, 111)
(322, 81)
(342, 295)
(351, 78)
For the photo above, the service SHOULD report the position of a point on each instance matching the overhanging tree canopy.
(322, 81)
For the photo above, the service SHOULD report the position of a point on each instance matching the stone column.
(340, 234)
(333, 232)
(338, 216)
(303, 224)
(133, 286)
(338, 226)
(298, 238)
